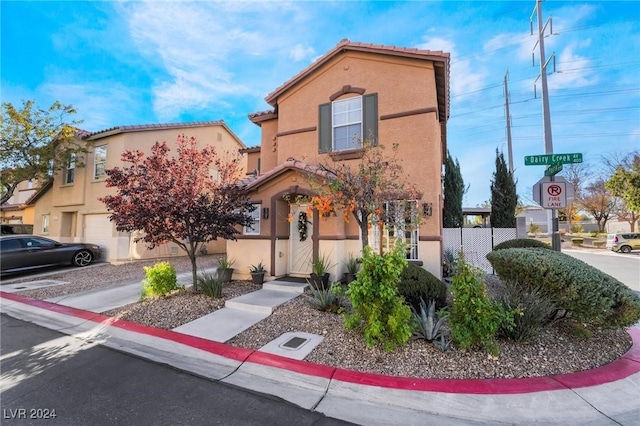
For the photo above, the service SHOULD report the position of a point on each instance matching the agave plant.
(427, 324)
(323, 299)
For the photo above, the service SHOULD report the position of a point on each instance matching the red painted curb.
(619, 369)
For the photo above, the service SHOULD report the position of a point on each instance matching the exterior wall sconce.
(265, 212)
(427, 209)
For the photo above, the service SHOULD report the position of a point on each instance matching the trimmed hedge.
(521, 243)
(590, 295)
(416, 283)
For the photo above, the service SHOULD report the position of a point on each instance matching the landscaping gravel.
(556, 351)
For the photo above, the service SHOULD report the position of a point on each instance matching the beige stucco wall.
(419, 138)
(74, 202)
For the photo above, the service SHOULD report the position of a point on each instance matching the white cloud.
(463, 77)
(99, 105)
(203, 48)
(300, 52)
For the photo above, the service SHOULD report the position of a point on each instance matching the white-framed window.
(30, 184)
(405, 229)
(99, 161)
(255, 215)
(70, 169)
(347, 123)
(45, 223)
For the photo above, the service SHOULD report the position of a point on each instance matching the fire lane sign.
(554, 195)
(548, 159)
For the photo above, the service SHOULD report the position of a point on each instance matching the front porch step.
(261, 301)
(289, 286)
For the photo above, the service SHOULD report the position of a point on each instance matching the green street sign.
(553, 169)
(549, 159)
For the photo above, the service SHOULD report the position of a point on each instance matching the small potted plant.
(352, 269)
(320, 272)
(257, 273)
(225, 270)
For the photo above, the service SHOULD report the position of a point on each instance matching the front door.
(300, 241)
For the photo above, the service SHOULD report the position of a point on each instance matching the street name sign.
(549, 159)
(553, 169)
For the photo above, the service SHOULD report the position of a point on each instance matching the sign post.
(549, 193)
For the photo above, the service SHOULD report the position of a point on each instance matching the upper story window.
(344, 124)
(70, 169)
(99, 161)
(255, 215)
(347, 123)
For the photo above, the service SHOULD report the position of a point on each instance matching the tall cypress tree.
(504, 198)
(453, 192)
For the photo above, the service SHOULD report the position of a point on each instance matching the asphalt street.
(50, 378)
(623, 267)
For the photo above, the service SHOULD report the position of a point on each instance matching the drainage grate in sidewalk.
(294, 343)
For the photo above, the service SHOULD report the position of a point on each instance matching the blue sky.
(142, 62)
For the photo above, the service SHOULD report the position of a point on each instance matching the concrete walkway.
(609, 395)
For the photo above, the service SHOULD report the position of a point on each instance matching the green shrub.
(210, 284)
(533, 311)
(588, 294)
(378, 309)
(521, 243)
(474, 319)
(418, 284)
(534, 228)
(577, 241)
(576, 229)
(160, 280)
(594, 234)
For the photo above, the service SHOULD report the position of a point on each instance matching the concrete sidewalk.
(608, 395)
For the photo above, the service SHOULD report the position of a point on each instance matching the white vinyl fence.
(475, 243)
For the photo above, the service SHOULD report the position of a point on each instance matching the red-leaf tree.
(362, 188)
(177, 199)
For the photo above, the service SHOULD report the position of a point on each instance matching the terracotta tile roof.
(81, 133)
(148, 127)
(259, 116)
(250, 150)
(253, 182)
(442, 71)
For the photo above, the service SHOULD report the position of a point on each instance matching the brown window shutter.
(324, 128)
(370, 118)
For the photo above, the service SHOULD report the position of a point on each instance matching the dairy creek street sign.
(549, 159)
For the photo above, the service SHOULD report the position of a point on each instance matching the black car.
(18, 252)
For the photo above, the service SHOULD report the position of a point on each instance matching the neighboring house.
(16, 209)
(396, 95)
(70, 209)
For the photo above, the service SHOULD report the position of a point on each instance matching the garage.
(98, 229)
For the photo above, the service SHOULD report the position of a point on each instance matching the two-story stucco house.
(391, 94)
(70, 210)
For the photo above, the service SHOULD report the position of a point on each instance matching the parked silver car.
(624, 242)
(20, 252)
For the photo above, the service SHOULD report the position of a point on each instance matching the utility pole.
(546, 115)
(506, 107)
